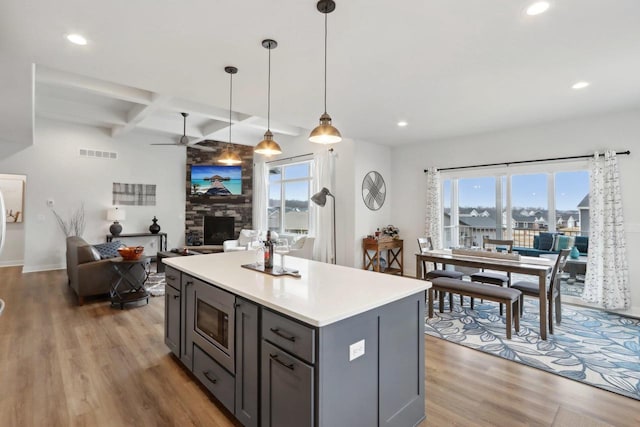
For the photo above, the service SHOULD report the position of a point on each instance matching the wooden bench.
(508, 296)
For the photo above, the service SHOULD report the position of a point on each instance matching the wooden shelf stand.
(371, 249)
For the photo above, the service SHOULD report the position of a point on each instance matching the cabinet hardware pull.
(189, 283)
(280, 334)
(275, 358)
(176, 296)
(171, 277)
(237, 304)
(213, 380)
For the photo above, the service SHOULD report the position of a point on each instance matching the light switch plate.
(356, 350)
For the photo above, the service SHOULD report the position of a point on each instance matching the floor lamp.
(320, 199)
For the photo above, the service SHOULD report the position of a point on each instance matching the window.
(289, 198)
(514, 206)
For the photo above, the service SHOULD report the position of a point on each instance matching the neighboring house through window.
(289, 190)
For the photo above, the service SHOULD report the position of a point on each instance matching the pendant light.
(229, 156)
(325, 132)
(268, 146)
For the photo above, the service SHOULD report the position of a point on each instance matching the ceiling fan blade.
(200, 147)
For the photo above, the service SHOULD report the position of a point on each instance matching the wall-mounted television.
(214, 180)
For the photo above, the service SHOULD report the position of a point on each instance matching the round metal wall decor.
(374, 190)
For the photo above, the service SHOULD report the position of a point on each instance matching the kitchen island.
(337, 346)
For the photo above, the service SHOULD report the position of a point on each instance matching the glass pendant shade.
(268, 146)
(325, 132)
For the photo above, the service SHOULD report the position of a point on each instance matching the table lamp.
(115, 215)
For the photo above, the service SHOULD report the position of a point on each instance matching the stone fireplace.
(217, 229)
(218, 207)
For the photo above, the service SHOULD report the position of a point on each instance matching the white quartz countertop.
(325, 293)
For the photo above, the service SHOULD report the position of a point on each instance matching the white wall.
(55, 171)
(619, 131)
(13, 251)
(370, 157)
(353, 159)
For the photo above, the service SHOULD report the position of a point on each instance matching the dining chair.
(490, 277)
(426, 244)
(553, 289)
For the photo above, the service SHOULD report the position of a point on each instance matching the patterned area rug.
(155, 284)
(591, 346)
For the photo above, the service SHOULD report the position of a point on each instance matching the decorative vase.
(575, 253)
(154, 228)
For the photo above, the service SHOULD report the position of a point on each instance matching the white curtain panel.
(260, 196)
(607, 277)
(323, 166)
(433, 217)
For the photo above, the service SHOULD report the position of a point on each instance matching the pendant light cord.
(269, 92)
(325, 62)
(230, 103)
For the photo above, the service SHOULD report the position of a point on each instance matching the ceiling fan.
(184, 140)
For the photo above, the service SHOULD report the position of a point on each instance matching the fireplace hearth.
(217, 229)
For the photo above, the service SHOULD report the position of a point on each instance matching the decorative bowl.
(131, 253)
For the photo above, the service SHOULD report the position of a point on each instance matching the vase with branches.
(75, 225)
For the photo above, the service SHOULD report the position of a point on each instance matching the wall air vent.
(86, 152)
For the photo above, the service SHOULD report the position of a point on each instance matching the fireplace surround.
(217, 229)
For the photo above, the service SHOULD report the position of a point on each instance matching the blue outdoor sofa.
(552, 243)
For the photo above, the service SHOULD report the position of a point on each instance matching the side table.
(395, 256)
(128, 286)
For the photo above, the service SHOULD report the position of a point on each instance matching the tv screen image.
(213, 180)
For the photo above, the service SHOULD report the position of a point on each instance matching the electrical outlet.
(356, 350)
(152, 244)
(50, 203)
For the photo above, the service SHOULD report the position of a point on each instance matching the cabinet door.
(172, 319)
(247, 344)
(188, 320)
(287, 389)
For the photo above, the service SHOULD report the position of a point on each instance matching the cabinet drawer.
(214, 377)
(289, 335)
(172, 277)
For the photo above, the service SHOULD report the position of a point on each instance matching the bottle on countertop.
(268, 251)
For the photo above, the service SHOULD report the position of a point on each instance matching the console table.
(395, 256)
(162, 236)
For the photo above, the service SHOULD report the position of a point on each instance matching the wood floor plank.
(99, 366)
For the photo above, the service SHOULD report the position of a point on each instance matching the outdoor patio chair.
(553, 289)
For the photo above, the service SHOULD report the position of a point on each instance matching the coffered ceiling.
(447, 68)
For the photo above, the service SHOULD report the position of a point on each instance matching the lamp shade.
(116, 214)
(320, 198)
(268, 146)
(230, 158)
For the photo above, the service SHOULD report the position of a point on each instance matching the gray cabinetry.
(214, 377)
(187, 313)
(247, 363)
(172, 318)
(287, 389)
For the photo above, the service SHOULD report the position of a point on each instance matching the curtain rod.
(295, 157)
(289, 158)
(551, 159)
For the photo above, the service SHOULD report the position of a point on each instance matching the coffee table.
(576, 267)
(170, 254)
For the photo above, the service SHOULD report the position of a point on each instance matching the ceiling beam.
(76, 112)
(53, 77)
(138, 113)
(261, 123)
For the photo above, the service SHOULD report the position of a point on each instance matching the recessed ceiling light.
(77, 39)
(538, 8)
(580, 85)
(402, 123)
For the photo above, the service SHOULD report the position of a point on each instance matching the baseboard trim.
(12, 263)
(46, 267)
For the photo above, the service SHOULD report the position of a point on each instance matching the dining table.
(534, 266)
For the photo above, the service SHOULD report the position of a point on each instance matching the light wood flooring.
(65, 365)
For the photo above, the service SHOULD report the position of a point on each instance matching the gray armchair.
(88, 274)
